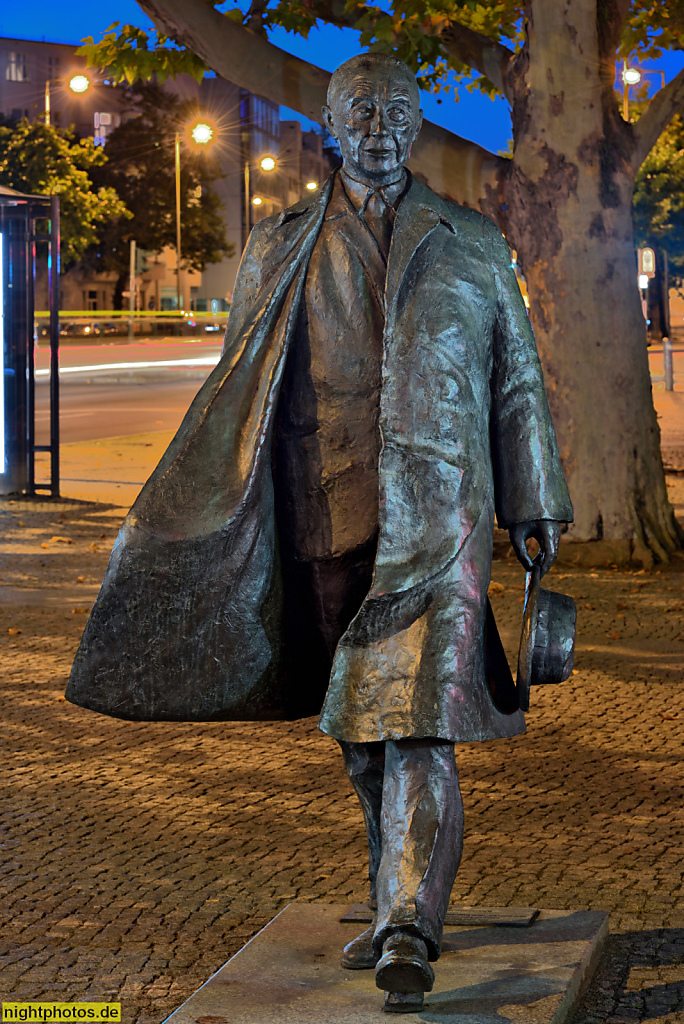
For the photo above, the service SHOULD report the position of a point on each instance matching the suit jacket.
(188, 622)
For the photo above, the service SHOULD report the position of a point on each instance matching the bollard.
(668, 371)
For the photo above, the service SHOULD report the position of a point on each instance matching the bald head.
(374, 113)
(371, 64)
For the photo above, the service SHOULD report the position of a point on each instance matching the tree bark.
(568, 198)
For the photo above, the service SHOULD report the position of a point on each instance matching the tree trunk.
(568, 197)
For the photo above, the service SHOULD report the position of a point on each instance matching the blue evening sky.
(474, 116)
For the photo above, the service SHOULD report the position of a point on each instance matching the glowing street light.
(202, 133)
(631, 76)
(79, 83)
(268, 164)
(312, 185)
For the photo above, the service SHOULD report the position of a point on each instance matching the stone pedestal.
(290, 973)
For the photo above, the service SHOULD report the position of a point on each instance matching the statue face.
(375, 117)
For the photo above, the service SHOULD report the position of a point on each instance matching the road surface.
(116, 390)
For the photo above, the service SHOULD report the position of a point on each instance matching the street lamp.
(77, 83)
(312, 185)
(632, 76)
(268, 164)
(201, 133)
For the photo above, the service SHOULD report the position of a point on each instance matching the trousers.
(408, 789)
(413, 812)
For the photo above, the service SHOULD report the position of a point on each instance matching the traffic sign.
(647, 262)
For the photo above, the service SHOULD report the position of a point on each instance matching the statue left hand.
(546, 532)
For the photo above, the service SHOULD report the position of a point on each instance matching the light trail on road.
(138, 365)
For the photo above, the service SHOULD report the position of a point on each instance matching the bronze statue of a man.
(319, 531)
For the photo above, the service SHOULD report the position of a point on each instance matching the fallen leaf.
(45, 545)
(21, 523)
(80, 579)
(622, 607)
(103, 536)
(496, 588)
(669, 716)
(159, 421)
(61, 540)
(588, 606)
(79, 611)
(93, 547)
(614, 635)
(13, 632)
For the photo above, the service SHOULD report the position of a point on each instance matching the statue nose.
(378, 124)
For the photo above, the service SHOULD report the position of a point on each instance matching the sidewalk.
(137, 857)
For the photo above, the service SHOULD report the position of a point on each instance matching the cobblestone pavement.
(136, 857)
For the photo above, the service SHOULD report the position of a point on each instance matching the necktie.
(379, 216)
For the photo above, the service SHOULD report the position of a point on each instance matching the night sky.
(474, 116)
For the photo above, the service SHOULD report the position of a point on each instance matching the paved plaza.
(137, 857)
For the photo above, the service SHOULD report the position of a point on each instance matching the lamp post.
(268, 164)
(77, 83)
(201, 133)
(632, 76)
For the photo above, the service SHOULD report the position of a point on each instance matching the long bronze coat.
(188, 623)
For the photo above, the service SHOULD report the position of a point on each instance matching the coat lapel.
(420, 212)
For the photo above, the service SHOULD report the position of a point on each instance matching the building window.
(54, 67)
(265, 116)
(16, 70)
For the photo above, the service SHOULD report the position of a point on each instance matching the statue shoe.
(403, 966)
(358, 955)
(403, 1002)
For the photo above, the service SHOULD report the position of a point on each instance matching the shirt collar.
(359, 193)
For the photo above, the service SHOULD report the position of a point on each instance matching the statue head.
(374, 113)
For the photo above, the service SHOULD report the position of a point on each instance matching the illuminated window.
(16, 70)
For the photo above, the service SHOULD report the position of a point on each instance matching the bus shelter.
(29, 231)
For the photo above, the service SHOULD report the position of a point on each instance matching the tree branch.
(658, 114)
(478, 51)
(452, 166)
(482, 54)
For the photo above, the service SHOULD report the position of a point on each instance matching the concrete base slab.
(290, 974)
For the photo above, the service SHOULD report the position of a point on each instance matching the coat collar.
(419, 213)
(417, 195)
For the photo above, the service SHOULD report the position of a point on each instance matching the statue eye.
(362, 112)
(398, 114)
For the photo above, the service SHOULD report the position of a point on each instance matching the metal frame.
(16, 208)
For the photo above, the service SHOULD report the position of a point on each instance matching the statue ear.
(328, 120)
